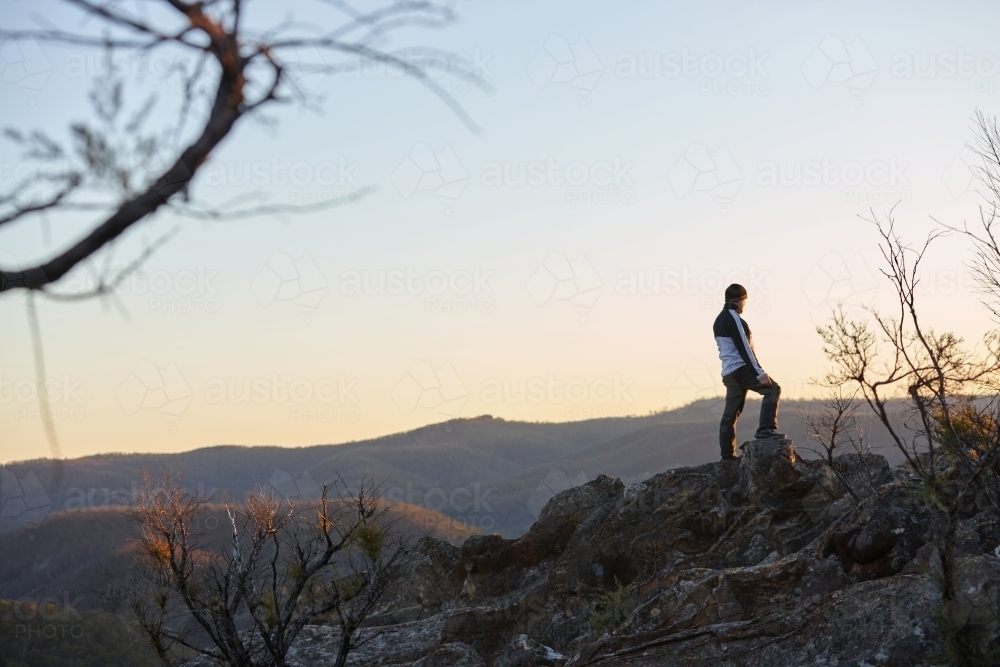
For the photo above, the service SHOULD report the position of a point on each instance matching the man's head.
(736, 295)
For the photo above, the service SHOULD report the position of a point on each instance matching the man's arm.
(745, 349)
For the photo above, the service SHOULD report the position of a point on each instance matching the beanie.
(735, 292)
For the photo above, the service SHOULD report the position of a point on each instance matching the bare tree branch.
(949, 435)
(247, 69)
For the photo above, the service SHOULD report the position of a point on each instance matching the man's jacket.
(735, 342)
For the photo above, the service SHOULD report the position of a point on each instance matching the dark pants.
(738, 383)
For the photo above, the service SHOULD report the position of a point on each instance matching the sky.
(564, 263)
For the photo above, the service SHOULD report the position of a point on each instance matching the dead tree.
(950, 431)
(985, 265)
(286, 565)
(837, 432)
(119, 172)
(948, 434)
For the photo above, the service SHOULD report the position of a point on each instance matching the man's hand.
(764, 379)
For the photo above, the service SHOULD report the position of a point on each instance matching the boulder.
(881, 535)
(490, 554)
(775, 477)
(431, 578)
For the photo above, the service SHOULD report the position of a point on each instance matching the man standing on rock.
(741, 372)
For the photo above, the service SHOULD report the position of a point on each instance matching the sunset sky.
(565, 263)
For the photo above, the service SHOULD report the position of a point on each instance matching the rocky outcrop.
(763, 561)
(431, 578)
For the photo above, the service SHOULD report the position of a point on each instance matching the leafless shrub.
(837, 433)
(285, 565)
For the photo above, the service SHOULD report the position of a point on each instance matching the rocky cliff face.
(762, 561)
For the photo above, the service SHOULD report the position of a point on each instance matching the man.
(741, 372)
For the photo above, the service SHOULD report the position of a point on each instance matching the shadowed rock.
(765, 561)
(525, 652)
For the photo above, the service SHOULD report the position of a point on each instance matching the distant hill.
(491, 474)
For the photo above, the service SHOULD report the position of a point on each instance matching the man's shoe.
(768, 434)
